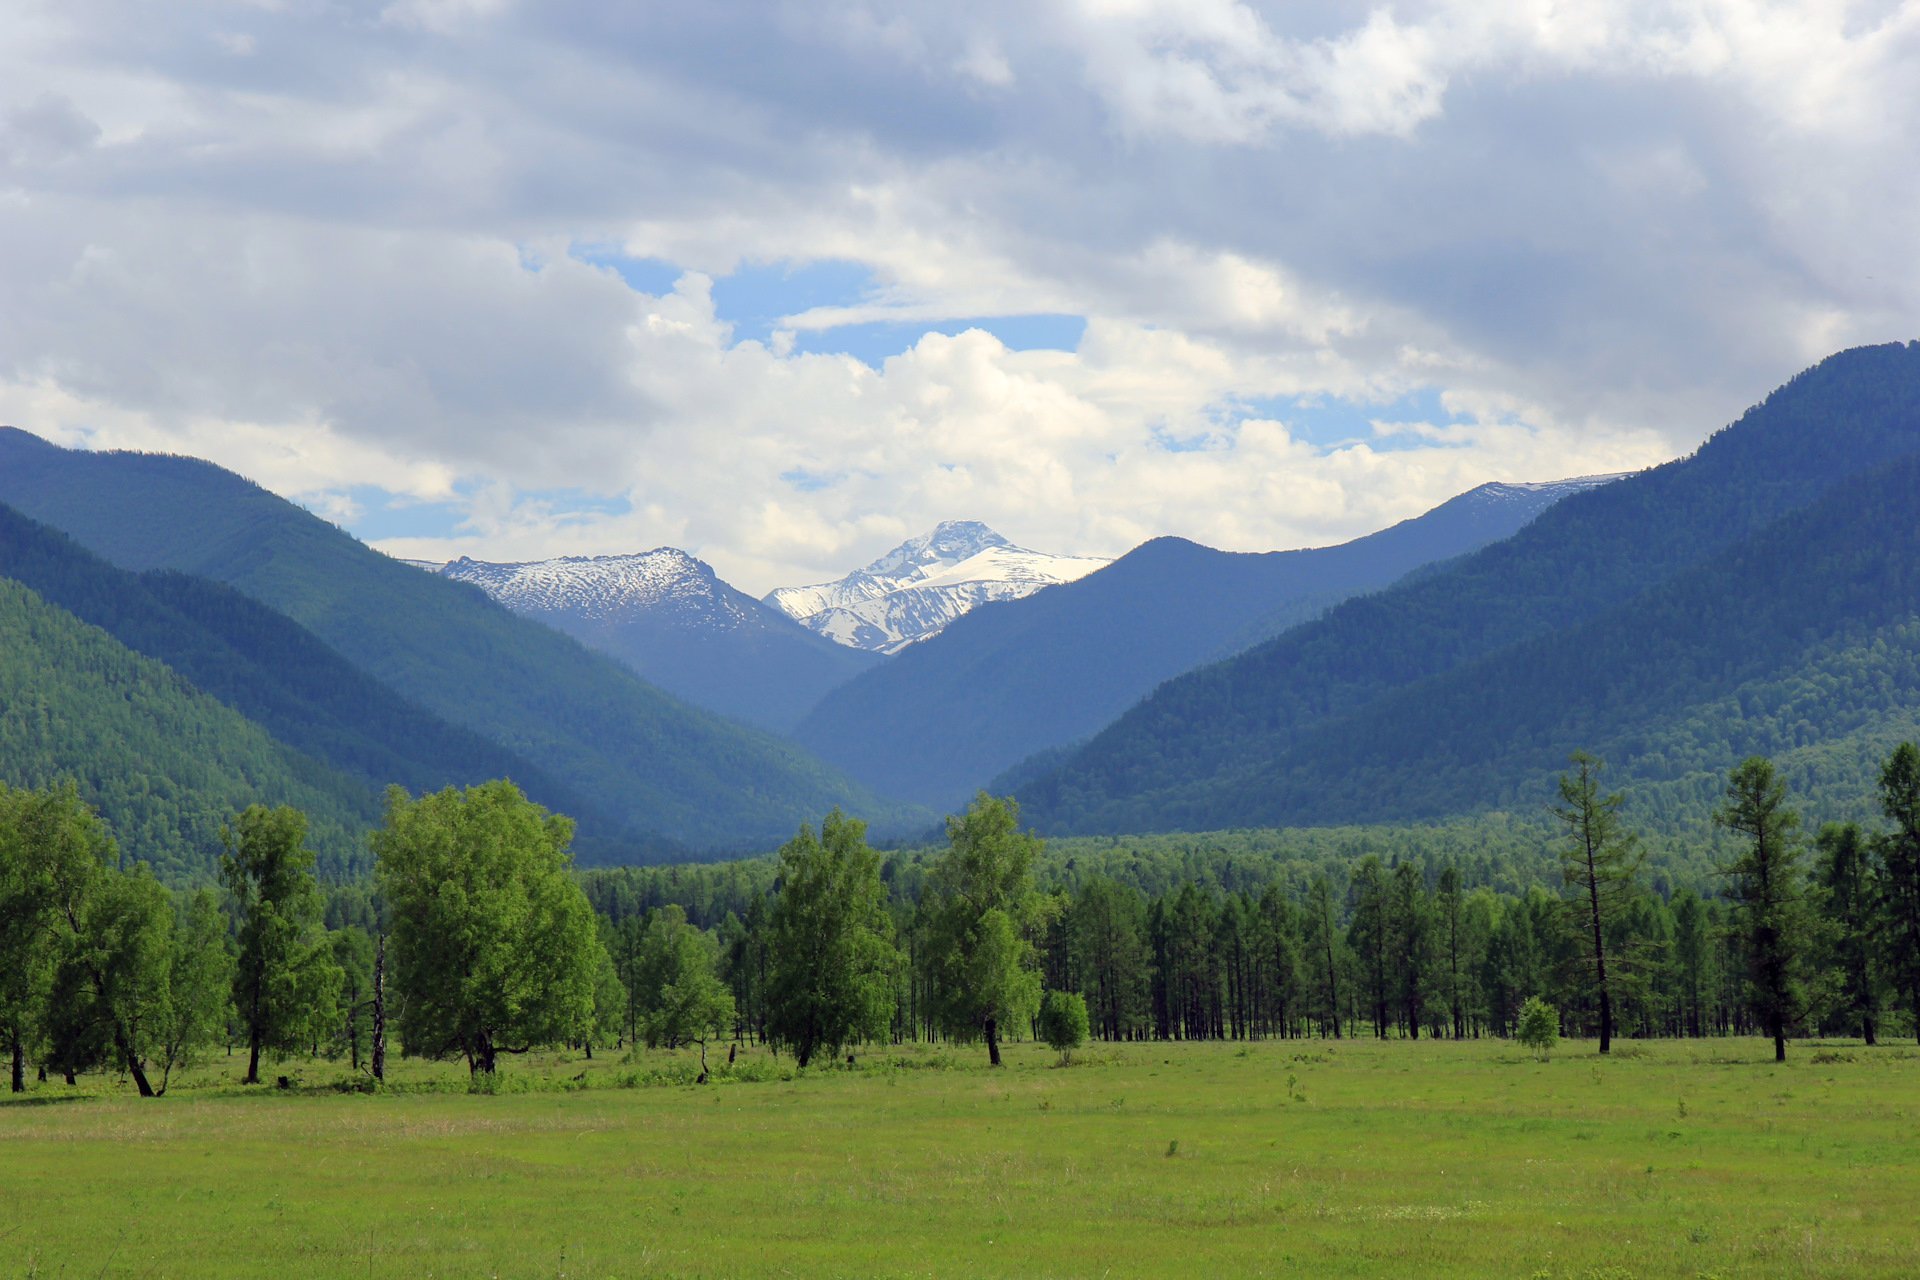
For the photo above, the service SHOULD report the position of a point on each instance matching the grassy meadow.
(1313, 1158)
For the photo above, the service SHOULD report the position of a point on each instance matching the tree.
(832, 952)
(285, 981)
(199, 985)
(353, 955)
(1769, 896)
(682, 998)
(1369, 934)
(1104, 928)
(494, 945)
(1412, 930)
(28, 923)
(609, 1003)
(1538, 1027)
(1452, 923)
(1063, 1022)
(1900, 863)
(112, 985)
(1601, 866)
(979, 957)
(84, 946)
(1849, 898)
(1323, 947)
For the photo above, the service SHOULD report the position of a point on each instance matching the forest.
(476, 938)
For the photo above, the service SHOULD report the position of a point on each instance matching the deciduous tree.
(494, 945)
(831, 942)
(285, 982)
(984, 901)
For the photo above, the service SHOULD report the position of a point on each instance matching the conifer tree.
(1600, 866)
(1768, 890)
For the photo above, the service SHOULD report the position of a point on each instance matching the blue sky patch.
(643, 275)
(1329, 422)
(758, 295)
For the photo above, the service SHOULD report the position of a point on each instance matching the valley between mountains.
(187, 642)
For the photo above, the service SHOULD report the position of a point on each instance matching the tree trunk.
(253, 1059)
(20, 1066)
(993, 1043)
(379, 1063)
(134, 1069)
(1779, 1046)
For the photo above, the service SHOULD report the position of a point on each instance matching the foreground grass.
(1282, 1158)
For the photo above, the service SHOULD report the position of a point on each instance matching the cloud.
(334, 246)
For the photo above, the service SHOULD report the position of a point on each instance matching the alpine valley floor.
(1363, 1158)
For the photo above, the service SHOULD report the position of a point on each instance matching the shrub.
(1063, 1022)
(1539, 1027)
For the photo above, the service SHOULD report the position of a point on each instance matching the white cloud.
(328, 246)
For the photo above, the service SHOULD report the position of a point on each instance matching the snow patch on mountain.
(596, 588)
(915, 590)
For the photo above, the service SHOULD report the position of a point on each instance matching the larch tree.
(984, 902)
(1323, 947)
(285, 981)
(833, 958)
(1850, 899)
(1768, 890)
(494, 945)
(1900, 873)
(1600, 866)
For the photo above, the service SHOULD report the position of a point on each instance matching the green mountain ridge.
(166, 764)
(277, 674)
(1450, 692)
(657, 764)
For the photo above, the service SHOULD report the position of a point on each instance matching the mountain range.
(1760, 595)
(181, 643)
(1009, 680)
(670, 618)
(654, 770)
(921, 586)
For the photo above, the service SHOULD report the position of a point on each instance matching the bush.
(1063, 1022)
(1539, 1027)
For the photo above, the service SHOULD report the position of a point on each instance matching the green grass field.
(1279, 1158)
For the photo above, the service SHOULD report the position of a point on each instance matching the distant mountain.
(670, 618)
(270, 669)
(1756, 596)
(950, 713)
(657, 764)
(164, 763)
(918, 588)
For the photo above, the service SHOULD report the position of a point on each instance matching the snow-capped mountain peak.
(601, 587)
(915, 590)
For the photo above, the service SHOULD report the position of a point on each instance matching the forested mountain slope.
(1007, 680)
(669, 617)
(166, 764)
(1222, 745)
(276, 673)
(658, 764)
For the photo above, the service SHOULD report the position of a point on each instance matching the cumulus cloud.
(336, 247)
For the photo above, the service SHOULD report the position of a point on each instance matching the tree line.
(475, 939)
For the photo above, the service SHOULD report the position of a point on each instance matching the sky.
(783, 284)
